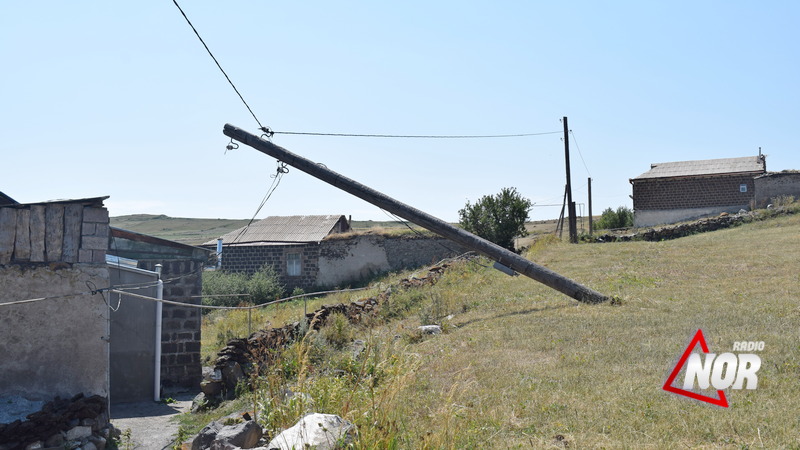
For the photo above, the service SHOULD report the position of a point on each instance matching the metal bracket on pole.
(425, 220)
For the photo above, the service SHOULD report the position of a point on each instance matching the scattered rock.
(318, 431)
(430, 329)
(243, 435)
(206, 437)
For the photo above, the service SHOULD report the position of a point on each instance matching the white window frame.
(743, 188)
(294, 264)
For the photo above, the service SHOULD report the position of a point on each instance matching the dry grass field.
(521, 366)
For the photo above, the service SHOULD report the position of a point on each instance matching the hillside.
(520, 365)
(179, 229)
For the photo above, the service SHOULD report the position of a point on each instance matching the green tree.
(499, 218)
(621, 218)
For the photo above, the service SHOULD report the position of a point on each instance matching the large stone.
(78, 432)
(318, 431)
(243, 435)
(206, 437)
(211, 388)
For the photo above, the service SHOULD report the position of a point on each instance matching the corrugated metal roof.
(705, 167)
(283, 229)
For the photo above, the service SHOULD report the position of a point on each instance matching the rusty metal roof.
(749, 164)
(283, 229)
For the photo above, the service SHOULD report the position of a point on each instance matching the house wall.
(133, 326)
(692, 192)
(340, 261)
(58, 346)
(774, 185)
(250, 258)
(182, 272)
(668, 200)
(181, 366)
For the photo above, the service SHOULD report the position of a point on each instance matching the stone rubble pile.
(233, 362)
(722, 221)
(77, 423)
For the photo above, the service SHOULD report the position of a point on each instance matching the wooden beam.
(469, 240)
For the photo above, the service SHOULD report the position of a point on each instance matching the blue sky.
(121, 99)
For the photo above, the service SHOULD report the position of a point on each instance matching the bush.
(621, 218)
(260, 287)
(499, 218)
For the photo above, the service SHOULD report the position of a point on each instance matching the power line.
(410, 136)
(575, 140)
(217, 62)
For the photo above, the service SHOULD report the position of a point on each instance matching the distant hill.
(179, 229)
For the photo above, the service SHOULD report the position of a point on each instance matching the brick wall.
(250, 258)
(694, 192)
(180, 334)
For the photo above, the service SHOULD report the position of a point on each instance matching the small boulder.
(318, 431)
(206, 436)
(243, 435)
(430, 329)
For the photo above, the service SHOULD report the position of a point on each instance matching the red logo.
(698, 338)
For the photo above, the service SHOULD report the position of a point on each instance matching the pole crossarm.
(489, 249)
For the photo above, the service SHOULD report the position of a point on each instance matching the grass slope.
(178, 229)
(526, 365)
(522, 366)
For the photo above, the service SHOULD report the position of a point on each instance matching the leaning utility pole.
(573, 223)
(480, 245)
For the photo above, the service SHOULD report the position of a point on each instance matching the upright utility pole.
(491, 250)
(590, 206)
(573, 223)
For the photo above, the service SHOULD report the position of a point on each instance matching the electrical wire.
(217, 62)
(276, 180)
(413, 136)
(575, 140)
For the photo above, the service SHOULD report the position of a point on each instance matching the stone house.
(313, 252)
(675, 191)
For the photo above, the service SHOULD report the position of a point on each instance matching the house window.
(742, 188)
(293, 264)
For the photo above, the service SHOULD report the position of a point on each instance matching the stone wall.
(773, 185)
(57, 346)
(692, 192)
(361, 257)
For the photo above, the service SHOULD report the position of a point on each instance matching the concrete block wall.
(180, 334)
(694, 192)
(250, 258)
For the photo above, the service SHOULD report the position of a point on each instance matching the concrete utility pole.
(480, 245)
(573, 222)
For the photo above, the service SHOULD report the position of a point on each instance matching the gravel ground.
(153, 425)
